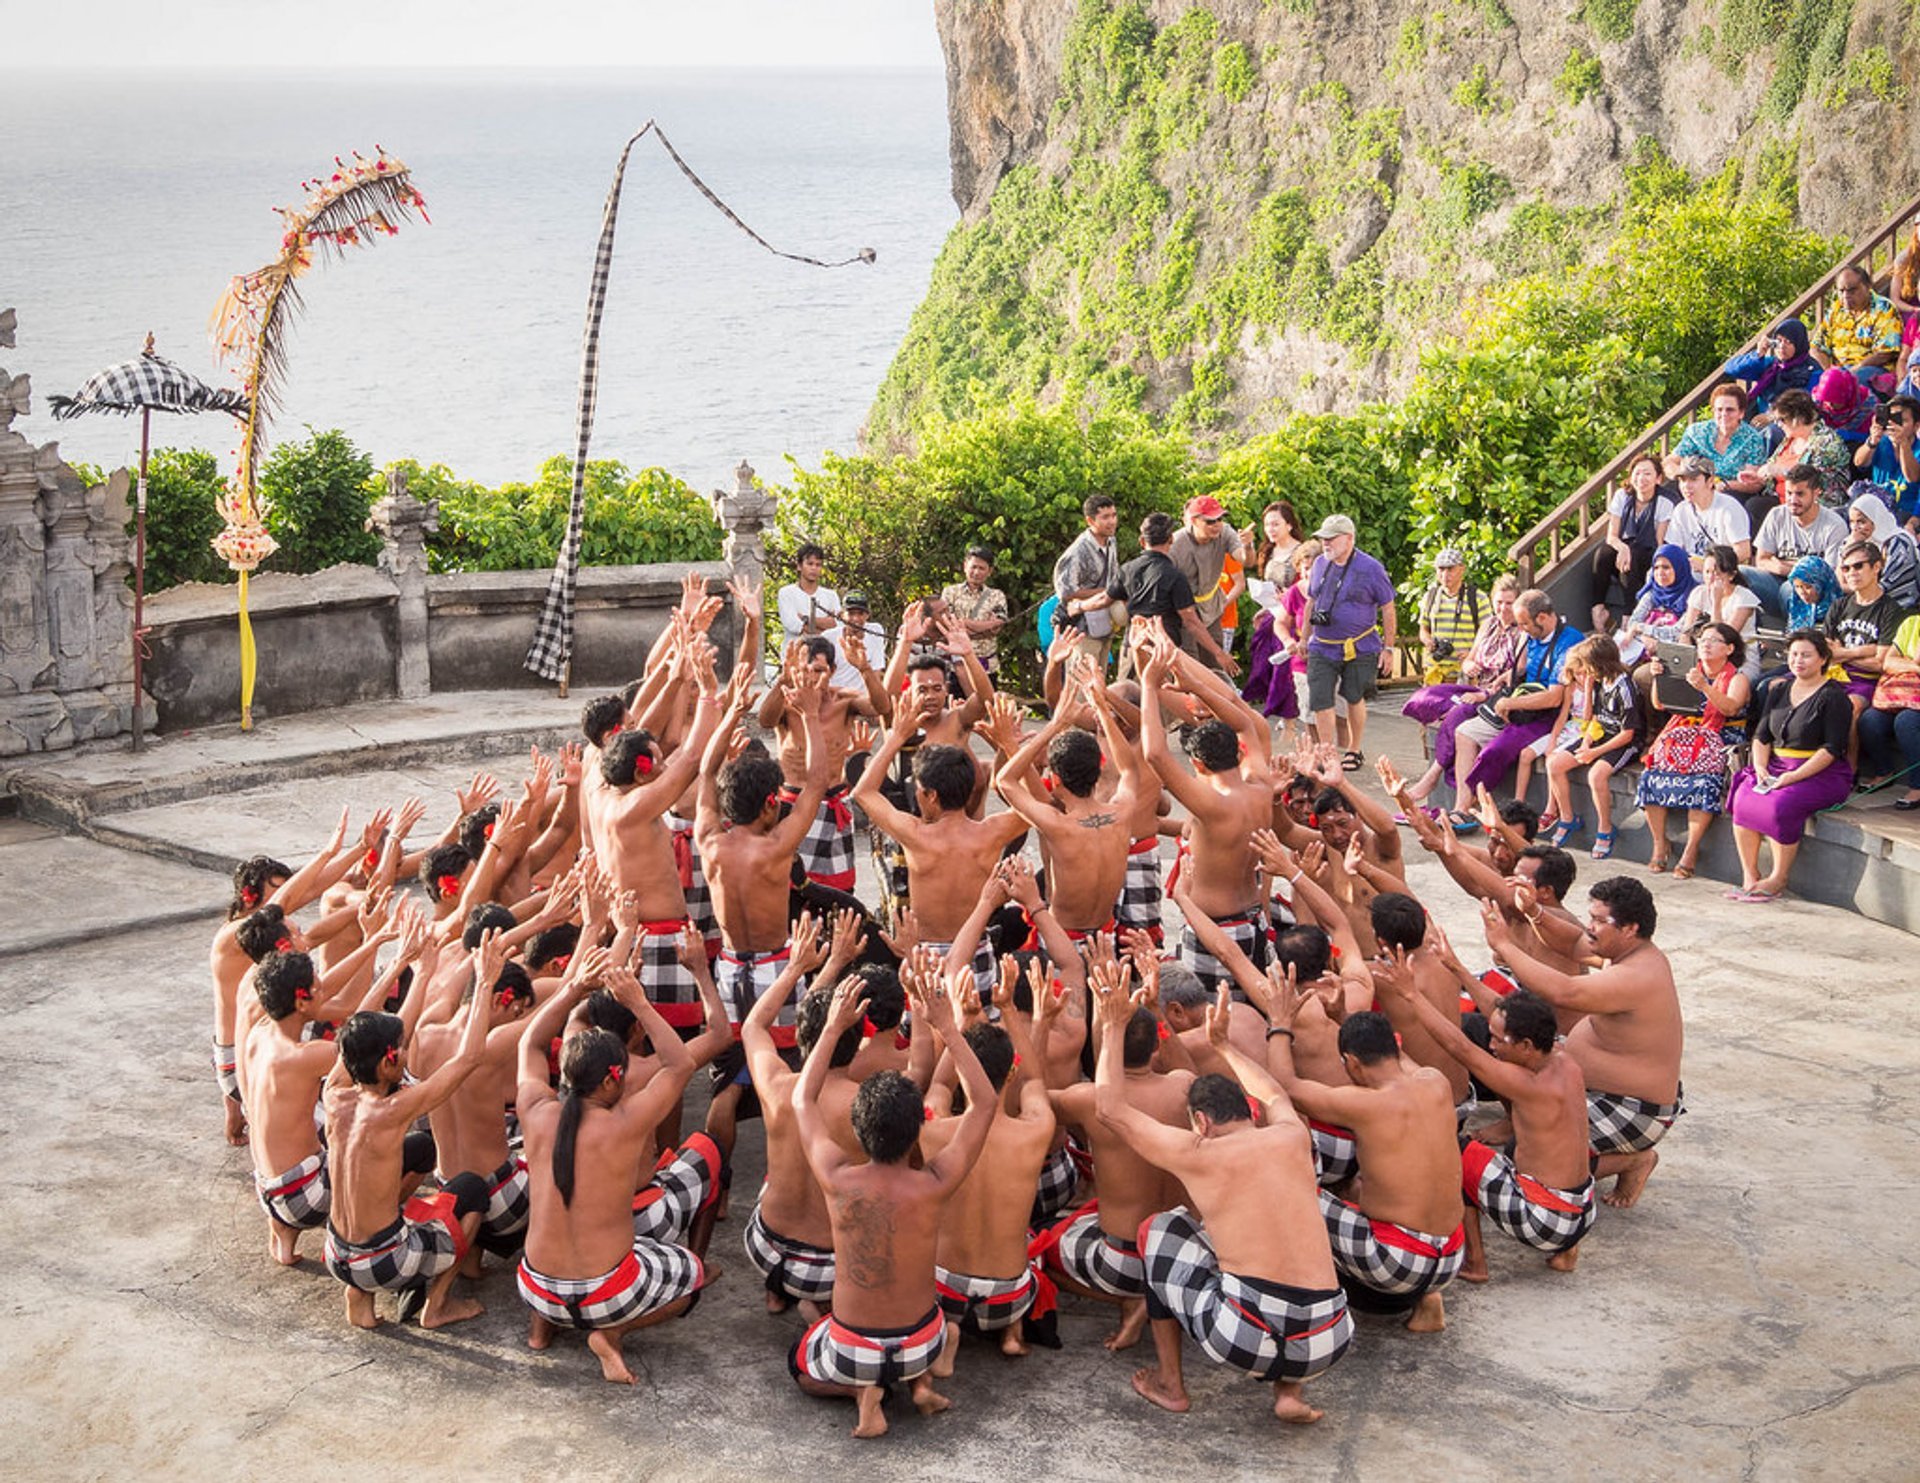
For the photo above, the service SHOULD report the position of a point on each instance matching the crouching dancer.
(584, 1266)
(886, 1323)
(1252, 1279)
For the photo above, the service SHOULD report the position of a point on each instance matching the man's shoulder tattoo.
(1098, 821)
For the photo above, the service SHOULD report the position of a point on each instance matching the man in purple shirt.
(1350, 620)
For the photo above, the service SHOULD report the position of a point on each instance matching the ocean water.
(128, 200)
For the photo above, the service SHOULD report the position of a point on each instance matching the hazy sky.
(455, 33)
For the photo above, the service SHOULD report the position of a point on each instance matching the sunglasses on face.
(1855, 566)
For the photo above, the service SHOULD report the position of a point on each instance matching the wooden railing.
(1570, 530)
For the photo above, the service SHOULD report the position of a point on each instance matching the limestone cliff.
(1226, 211)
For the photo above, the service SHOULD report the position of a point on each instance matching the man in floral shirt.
(1861, 332)
(982, 609)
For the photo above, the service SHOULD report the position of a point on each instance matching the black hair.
(278, 981)
(1806, 475)
(1733, 640)
(806, 549)
(1331, 801)
(476, 827)
(629, 756)
(1821, 645)
(604, 1012)
(926, 659)
(513, 978)
(1522, 815)
(745, 786)
(441, 861)
(1630, 902)
(1214, 745)
(817, 647)
(886, 1000)
(993, 1047)
(367, 1039)
(1306, 948)
(1074, 757)
(561, 940)
(1398, 920)
(598, 717)
(1529, 1018)
(488, 916)
(1556, 870)
(261, 931)
(630, 691)
(945, 772)
(1093, 504)
(585, 1062)
(250, 879)
(810, 1019)
(887, 1113)
(1141, 1040)
(1157, 529)
(1221, 1098)
(1368, 1038)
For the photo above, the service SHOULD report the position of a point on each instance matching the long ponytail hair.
(590, 1057)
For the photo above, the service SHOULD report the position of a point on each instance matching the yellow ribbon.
(247, 660)
(1793, 752)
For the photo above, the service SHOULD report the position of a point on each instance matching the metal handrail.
(1586, 508)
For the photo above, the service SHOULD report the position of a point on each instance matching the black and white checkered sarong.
(993, 1303)
(1264, 1329)
(225, 1069)
(299, 1198)
(411, 1252)
(1097, 1260)
(1617, 1123)
(685, 1181)
(793, 1269)
(693, 881)
(1336, 1157)
(826, 854)
(507, 1200)
(836, 1354)
(663, 977)
(1386, 1258)
(1546, 1219)
(1250, 933)
(652, 1275)
(1059, 1182)
(1140, 894)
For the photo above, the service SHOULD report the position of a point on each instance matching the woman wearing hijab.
(1812, 588)
(1845, 405)
(1782, 363)
(1660, 607)
(1871, 520)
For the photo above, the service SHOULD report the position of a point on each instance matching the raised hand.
(1390, 779)
(1356, 853)
(373, 912)
(375, 831)
(905, 937)
(1274, 857)
(624, 908)
(1393, 974)
(1003, 986)
(964, 991)
(849, 937)
(861, 736)
(477, 794)
(1220, 1019)
(1494, 920)
(1284, 999)
(594, 965)
(1046, 998)
(488, 959)
(807, 951)
(1001, 726)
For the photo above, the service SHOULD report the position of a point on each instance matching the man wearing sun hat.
(1350, 620)
(1200, 552)
(1450, 616)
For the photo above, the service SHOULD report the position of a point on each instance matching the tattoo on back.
(1098, 821)
(866, 1241)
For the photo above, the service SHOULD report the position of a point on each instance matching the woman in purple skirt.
(1485, 668)
(1800, 749)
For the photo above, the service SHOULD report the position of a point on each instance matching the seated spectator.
(1726, 440)
(1800, 745)
(1450, 616)
(1661, 605)
(1490, 743)
(1861, 625)
(1687, 761)
(1495, 649)
(1780, 364)
(1861, 333)
(1889, 459)
(1846, 406)
(1812, 591)
(1798, 528)
(1637, 517)
(1722, 597)
(1705, 517)
(1808, 441)
(1600, 729)
(1890, 739)
(1869, 519)
(982, 610)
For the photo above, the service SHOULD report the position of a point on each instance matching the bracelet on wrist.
(1273, 1030)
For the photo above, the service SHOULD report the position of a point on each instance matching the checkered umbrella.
(147, 385)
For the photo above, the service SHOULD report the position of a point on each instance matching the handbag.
(1493, 718)
(1897, 693)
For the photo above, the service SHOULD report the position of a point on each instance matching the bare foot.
(942, 1366)
(283, 1243)
(1565, 1261)
(872, 1421)
(360, 1310)
(1429, 1315)
(777, 1302)
(1633, 1179)
(1012, 1342)
(236, 1128)
(1475, 1274)
(539, 1331)
(449, 1310)
(1290, 1406)
(926, 1400)
(1149, 1385)
(1133, 1323)
(606, 1349)
(811, 1311)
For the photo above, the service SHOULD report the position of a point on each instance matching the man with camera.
(1888, 458)
(1350, 622)
(1450, 616)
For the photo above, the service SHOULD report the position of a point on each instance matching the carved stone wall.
(66, 613)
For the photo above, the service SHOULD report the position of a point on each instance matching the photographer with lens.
(1450, 617)
(1350, 621)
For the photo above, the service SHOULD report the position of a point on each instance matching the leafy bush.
(183, 516)
(1233, 72)
(1580, 77)
(1612, 20)
(314, 497)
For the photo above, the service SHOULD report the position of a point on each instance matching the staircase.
(1553, 554)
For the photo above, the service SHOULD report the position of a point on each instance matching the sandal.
(1603, 845)
(1352, 761)
(1683, 872)
(1565, 830)
(1659, 867)
(1462, 823)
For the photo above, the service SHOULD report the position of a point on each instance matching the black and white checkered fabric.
(1140, 893)
(652, 1275)
(1262, 1329)
(299, 1198)
(826, 854)
(694, 886)
(1059, 1182)
(684, 1181)
(1249, 933)
(992, 1303)
(411, 1252)
(148, 382)
(1094, 1259)
(1535, 1215)
(1336, 1157)
(507, 1200)
(794, 1270)
(663, 977)
(835, 1354)
(1387, 1258)
(1617, 1123)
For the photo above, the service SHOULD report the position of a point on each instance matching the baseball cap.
(1449, 556)
(1205, 507)
(1334, 525)
(856, 600)
(1697, 463)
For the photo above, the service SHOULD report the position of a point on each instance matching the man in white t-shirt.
(856, 618)
(807, 608)
(1800, 527)
(1707, 517)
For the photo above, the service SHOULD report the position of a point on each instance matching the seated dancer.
(826, 847)
(1403, 1236)
(1543, 1194)
(1629, 1040)
(377, 1238)
(886, 1324)
(586, 1265)
(1252, 1280)
(981, 1268)
(1228, 796)
(1400, 929)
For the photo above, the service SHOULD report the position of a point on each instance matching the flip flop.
(1657, 867)
(1683, 872)
(1757, 898)
(1462, 823)
(1352, 761)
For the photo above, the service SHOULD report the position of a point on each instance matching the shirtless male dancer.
(886, 1323)
(1252, 1280)
(826, 844)
(1629, 1042)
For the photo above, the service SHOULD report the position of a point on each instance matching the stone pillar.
(31, 717)
(747, 515)
(404, 523)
